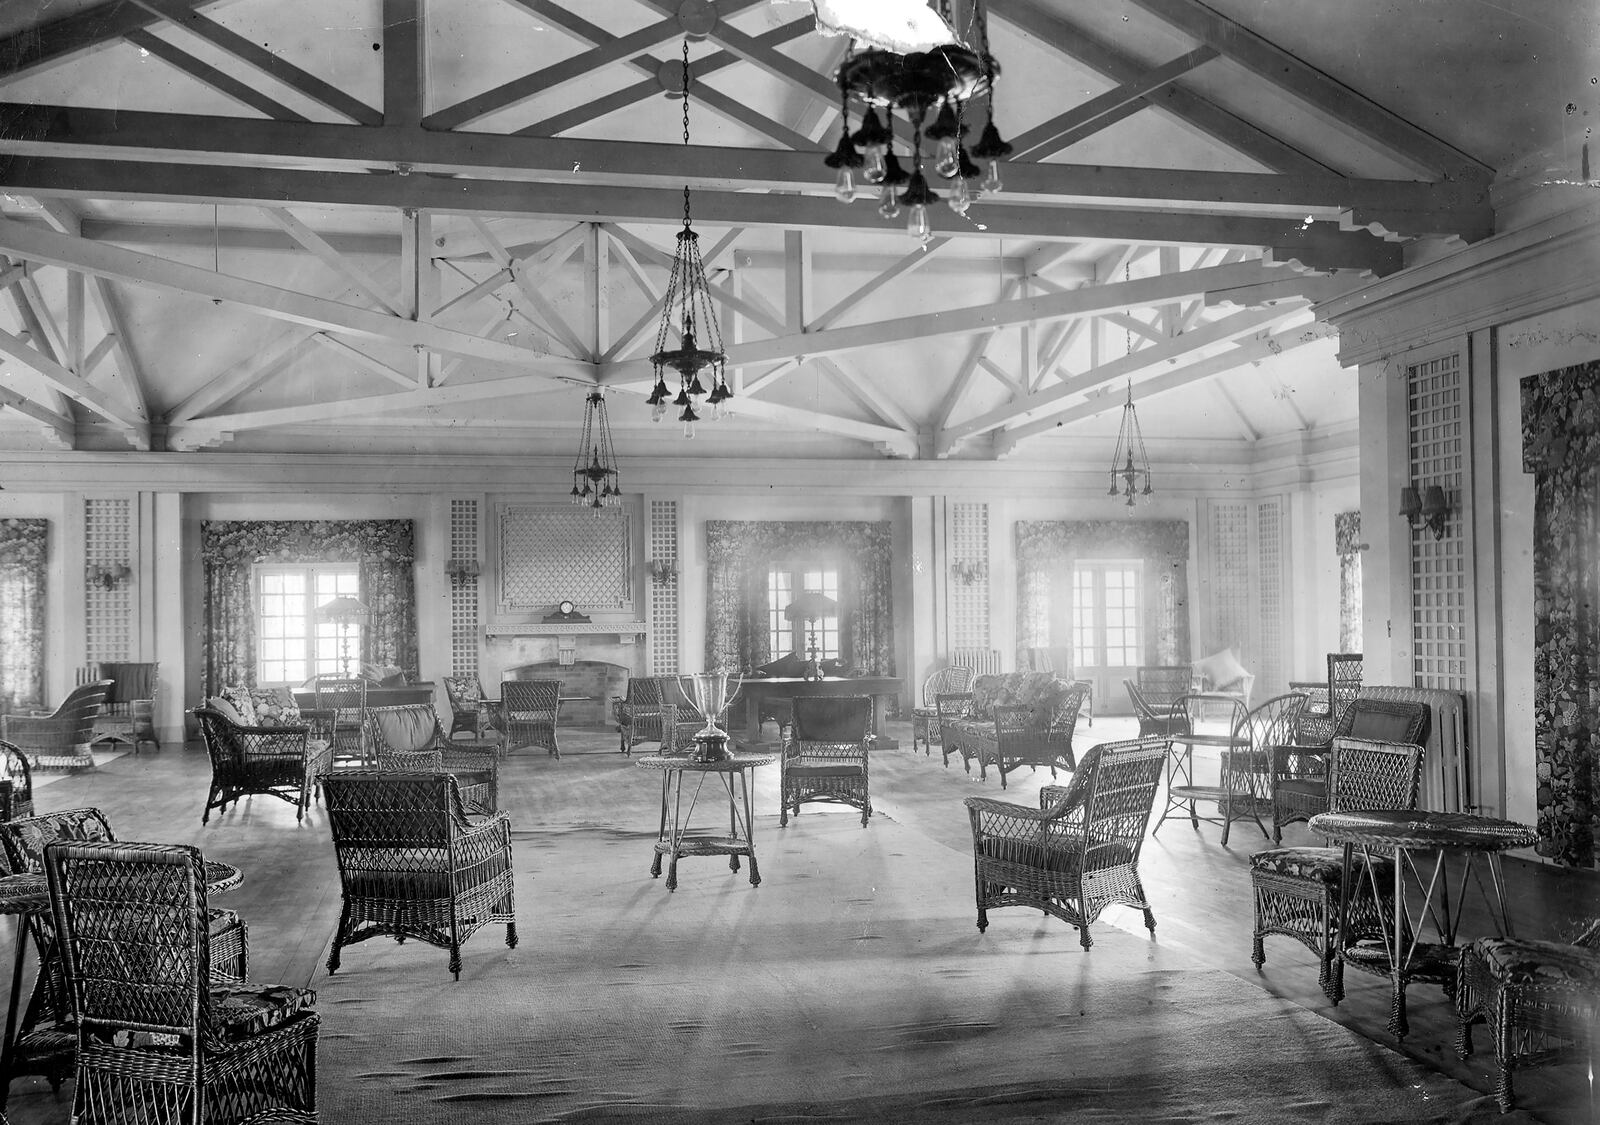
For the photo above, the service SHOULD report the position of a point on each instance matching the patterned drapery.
(229, 548)
(1047, 550)
(1347, 542)
(738, 556)
(24, 546)
(1561, 448)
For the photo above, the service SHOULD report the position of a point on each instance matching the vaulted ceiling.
(427, 225)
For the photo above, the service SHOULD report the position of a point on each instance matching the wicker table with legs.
(675, 838)
(1411, 838)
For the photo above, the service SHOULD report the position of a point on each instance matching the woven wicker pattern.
(1344, 684)
(925, 719)
(638, 713)
(1539, 999)
(1362, 775)
(1157, 719)
(409, 737)
(827, 752)
(59, 739)
(1079, 851)
(471, 711)
(531, 710)
(1033, 735)
(16, 782)
(1300, 775)
(127, 714)
(1244, 788)
(341, 703)
(282, 762)
(135, 953)
(412, 866)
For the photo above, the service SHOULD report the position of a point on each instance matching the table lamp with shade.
(344, 611)
(807, 606)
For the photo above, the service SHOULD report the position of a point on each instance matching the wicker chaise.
(1077, 852)
(283, 762)
(408, 737)
(134, 926)
(411, 865)
(59, 739)
(827, 749)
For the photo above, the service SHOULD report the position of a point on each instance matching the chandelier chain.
(686, 80)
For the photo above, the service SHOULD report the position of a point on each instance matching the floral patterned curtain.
(1047, 550)
(229, 548)
(738, 556)
(23, 549)
(1347, 541)
(1561, 448)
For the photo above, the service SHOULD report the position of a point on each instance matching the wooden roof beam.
(58, 428)
(220, 81)
(37, 48)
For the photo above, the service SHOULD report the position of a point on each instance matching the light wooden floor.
(1199, 890)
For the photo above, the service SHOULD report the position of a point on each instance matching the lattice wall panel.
(1269, 595)
(1231, 618)
(663, 535)
(549, 553)
(1438, 566)
(968, 545)
(464, 588)
(108, 606)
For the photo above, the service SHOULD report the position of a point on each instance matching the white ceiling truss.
(476, 313)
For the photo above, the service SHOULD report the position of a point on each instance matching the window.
(783, 583)
(1106, 626)
(291, 644)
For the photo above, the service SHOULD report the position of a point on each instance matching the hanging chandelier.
(1125, 472)
(938, 80)
(595, 479)
(687, 307)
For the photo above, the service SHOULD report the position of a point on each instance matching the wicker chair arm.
(995, 820)
(485, 837)
(412, 761)
(479, 758)
(35, 729)
(1300, 761)
(1016, 718)
(953, 705)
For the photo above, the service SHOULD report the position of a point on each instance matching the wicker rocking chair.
(412, 866)
(1079, 851)
(158, 1040)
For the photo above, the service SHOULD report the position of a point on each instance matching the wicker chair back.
(831, 718)
(1384, 720)
(1164, 684)
(1367, 774)
(945, 681)
(531, 710)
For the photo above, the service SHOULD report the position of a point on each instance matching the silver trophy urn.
(709, 690)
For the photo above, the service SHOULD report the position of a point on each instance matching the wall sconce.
(966, 572)
(1428, 507)
(662, 571)
(107, 575)
(461, 568)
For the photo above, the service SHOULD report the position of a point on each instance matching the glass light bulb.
(658, 412)
(991, 179)
(874, 170)
(960, 196)
(946, 161)
(688, 429)
(917, 223)
(889, 202)
(844, 185)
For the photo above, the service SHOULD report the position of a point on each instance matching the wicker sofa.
(1010, 719)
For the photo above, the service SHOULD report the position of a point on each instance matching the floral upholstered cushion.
(275, 707)
(1524, 960)
(1322, 865)
(243, 704)
(243, 1009)
(227, 710)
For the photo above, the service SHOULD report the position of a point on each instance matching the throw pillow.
(243, 705)
(1220, 669)
(275, 707)
(226, 709)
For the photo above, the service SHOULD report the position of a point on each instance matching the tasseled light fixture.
(1125, 471)
(940, 78)
(595, 479)
(688, 307)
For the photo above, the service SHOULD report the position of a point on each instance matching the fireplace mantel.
(620, 629)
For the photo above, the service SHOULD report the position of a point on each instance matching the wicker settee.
(1011, 719)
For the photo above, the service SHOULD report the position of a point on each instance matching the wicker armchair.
(1344, 683)
(408, 737)
(1079, 851)
(826, 752)
(59, 739)
(134, 936)
(1296, 890)
(1300, 773)
(16, 783)
(1034, 735)
(1156, 719)
(471, 710)
(531, 710)
(283, 762)
(128, 713)
(639, 713)
(1540, 1000)
(412, 866)
(925, 719)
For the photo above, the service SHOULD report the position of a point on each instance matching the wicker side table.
(675, 837)
(1412, 838)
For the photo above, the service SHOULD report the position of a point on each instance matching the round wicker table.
(1411, 838)
(676, 838)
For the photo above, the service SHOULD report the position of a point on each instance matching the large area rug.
(850, 985)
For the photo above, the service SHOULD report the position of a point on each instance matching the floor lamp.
(344, 611)
(807, 606)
